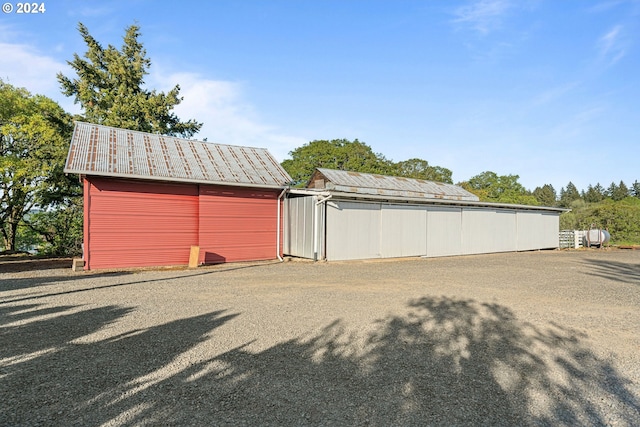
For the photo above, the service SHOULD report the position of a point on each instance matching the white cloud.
(227, 117)
(612, 45)
(482, 15)
(23, 66)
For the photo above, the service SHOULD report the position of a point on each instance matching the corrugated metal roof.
(371, 184)
(107, 151)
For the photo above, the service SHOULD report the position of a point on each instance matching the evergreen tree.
(592, 195)
(545, 195)
(568, 195)
(635, 189)
(110, 88)
(619, 192)
(600, 190)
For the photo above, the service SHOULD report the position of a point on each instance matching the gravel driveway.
(535, 338)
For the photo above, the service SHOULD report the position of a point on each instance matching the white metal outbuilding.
(346, 215)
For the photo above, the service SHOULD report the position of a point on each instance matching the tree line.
(41, 207)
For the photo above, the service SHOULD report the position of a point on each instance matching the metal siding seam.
(86, 250)
(112, 160)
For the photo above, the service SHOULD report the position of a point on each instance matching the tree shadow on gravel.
(50, 375)
(12, 284)
(443, 362)
(614, 270)
(446, 362)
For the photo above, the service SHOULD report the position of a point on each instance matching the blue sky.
(548, 90)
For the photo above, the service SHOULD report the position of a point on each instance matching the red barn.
(149, 198)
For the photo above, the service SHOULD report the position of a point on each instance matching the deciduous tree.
(34, 135)
(491, 187)
(340, 154)
(421, 169)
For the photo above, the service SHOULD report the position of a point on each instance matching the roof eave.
(172, 179)
(354, 196)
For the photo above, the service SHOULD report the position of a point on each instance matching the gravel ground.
(535, 338)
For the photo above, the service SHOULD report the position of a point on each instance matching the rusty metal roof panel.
(107, 151)
(382, 185)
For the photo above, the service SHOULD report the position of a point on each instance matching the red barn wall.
(237, 224)
(135, 223)
(140, 223)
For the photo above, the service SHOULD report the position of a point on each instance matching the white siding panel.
(353, 230)
(299, 216)
(403, 231)
(529, 233)
(488, 230)
(444, 234)
(537, 230)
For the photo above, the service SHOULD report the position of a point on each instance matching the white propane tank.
(596, 238)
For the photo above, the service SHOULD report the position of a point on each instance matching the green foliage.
(635, 189)
(356, 156)
(34, 135)
(110, 89)
(421, 169)
(568, 195)
(339, 154)
(618, 192)
(594, 194)
(545, 195)
(60, 228)
(621, 219)
(491, 187)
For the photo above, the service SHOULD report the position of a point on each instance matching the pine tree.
(619, 191)
(592, 195)
(110, 88)
(635, 189)
(568, 195)
(545, 195)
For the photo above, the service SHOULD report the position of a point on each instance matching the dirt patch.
(19, 263)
